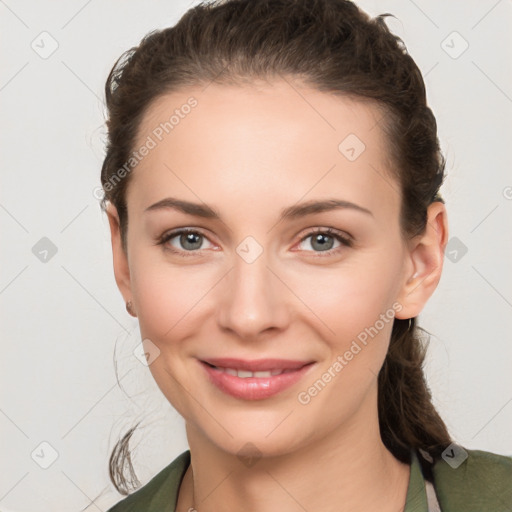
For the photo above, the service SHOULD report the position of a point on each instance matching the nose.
(254, 299)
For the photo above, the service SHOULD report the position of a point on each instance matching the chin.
(255, 434)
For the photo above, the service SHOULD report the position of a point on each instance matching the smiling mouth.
(256, 379)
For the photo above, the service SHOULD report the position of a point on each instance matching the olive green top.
(481, 483)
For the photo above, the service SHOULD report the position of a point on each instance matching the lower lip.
(254, 388)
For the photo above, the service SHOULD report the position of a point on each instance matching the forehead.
(278, 141)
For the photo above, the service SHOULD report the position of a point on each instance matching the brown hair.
(334, 47)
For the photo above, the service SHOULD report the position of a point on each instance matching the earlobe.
(426, 256)
(120, 259)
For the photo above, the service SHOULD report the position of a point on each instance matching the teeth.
(262, 374)
(244, 374)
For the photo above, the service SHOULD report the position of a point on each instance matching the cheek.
(351, 299)
(168, 297)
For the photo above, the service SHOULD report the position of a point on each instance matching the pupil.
(189, 238)
(320, 238)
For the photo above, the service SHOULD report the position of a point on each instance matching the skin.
(249, 152)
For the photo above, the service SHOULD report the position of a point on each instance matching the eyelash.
(345, 241)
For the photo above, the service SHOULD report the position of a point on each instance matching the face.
(263, 280)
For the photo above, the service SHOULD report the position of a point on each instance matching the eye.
(189, 241)
(322, 240)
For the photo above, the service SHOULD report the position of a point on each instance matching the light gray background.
(61, 319)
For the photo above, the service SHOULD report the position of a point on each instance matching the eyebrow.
(289, 213)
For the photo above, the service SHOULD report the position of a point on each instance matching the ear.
(120, 258)
(426, 253)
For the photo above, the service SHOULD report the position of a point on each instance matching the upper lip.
(256, 364)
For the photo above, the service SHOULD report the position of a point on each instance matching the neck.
(350, 469)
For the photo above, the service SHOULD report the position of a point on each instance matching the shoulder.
(482, 481)
(159, 492)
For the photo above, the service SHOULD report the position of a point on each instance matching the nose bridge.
(253, 300)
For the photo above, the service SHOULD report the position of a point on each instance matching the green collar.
(416, 500)
(164, 490)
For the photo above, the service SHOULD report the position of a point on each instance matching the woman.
(290, 143)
